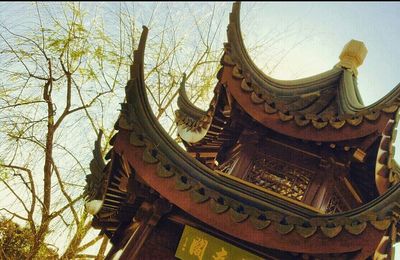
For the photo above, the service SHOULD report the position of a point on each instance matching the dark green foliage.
(16, 241)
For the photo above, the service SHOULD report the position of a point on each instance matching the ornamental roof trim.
(145, 131)
(328, 100)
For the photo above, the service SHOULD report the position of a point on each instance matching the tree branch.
(64, 192)
(61, 210)
(88, 244)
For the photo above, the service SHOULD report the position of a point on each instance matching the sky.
(311, 35)
(323, 28)
(303, 38)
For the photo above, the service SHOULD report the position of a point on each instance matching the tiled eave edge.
(191, 117)
(284, 124)
(262, 88)
(377, 213)
(265, 103)
(235, 217)
(242, 202)
(387, 172)
(175, 183)
(194, 124)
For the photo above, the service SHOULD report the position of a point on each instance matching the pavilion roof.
(142, 144)
(329, 101)
(142, 150)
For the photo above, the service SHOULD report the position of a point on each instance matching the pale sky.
(322, 28)
(317, 30)
(326, 28)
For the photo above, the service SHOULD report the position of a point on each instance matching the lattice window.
(280, 176)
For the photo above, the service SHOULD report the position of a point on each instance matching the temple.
(273, 169)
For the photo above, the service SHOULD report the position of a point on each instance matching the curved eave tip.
(138, 54)
(183, 82)
(236, 7)
(182, 90)
(234, 16)
(143, 38)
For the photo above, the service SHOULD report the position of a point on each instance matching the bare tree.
(61, 81)
(55, 86)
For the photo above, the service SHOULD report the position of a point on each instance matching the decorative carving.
(359, 155)
(335, 205)
(94, 181)
(353, 55)
(228, 165)
(279, 176)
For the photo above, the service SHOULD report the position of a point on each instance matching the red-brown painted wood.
(272, 121)
(269, 237)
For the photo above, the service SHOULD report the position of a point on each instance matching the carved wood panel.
(280, 176)
(335, 204)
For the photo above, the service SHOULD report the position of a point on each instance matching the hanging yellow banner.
(197, 245)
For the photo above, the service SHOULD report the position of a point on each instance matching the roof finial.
(353, 55)
(138, 54)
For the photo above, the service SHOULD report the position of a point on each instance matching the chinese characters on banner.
(197, 245)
